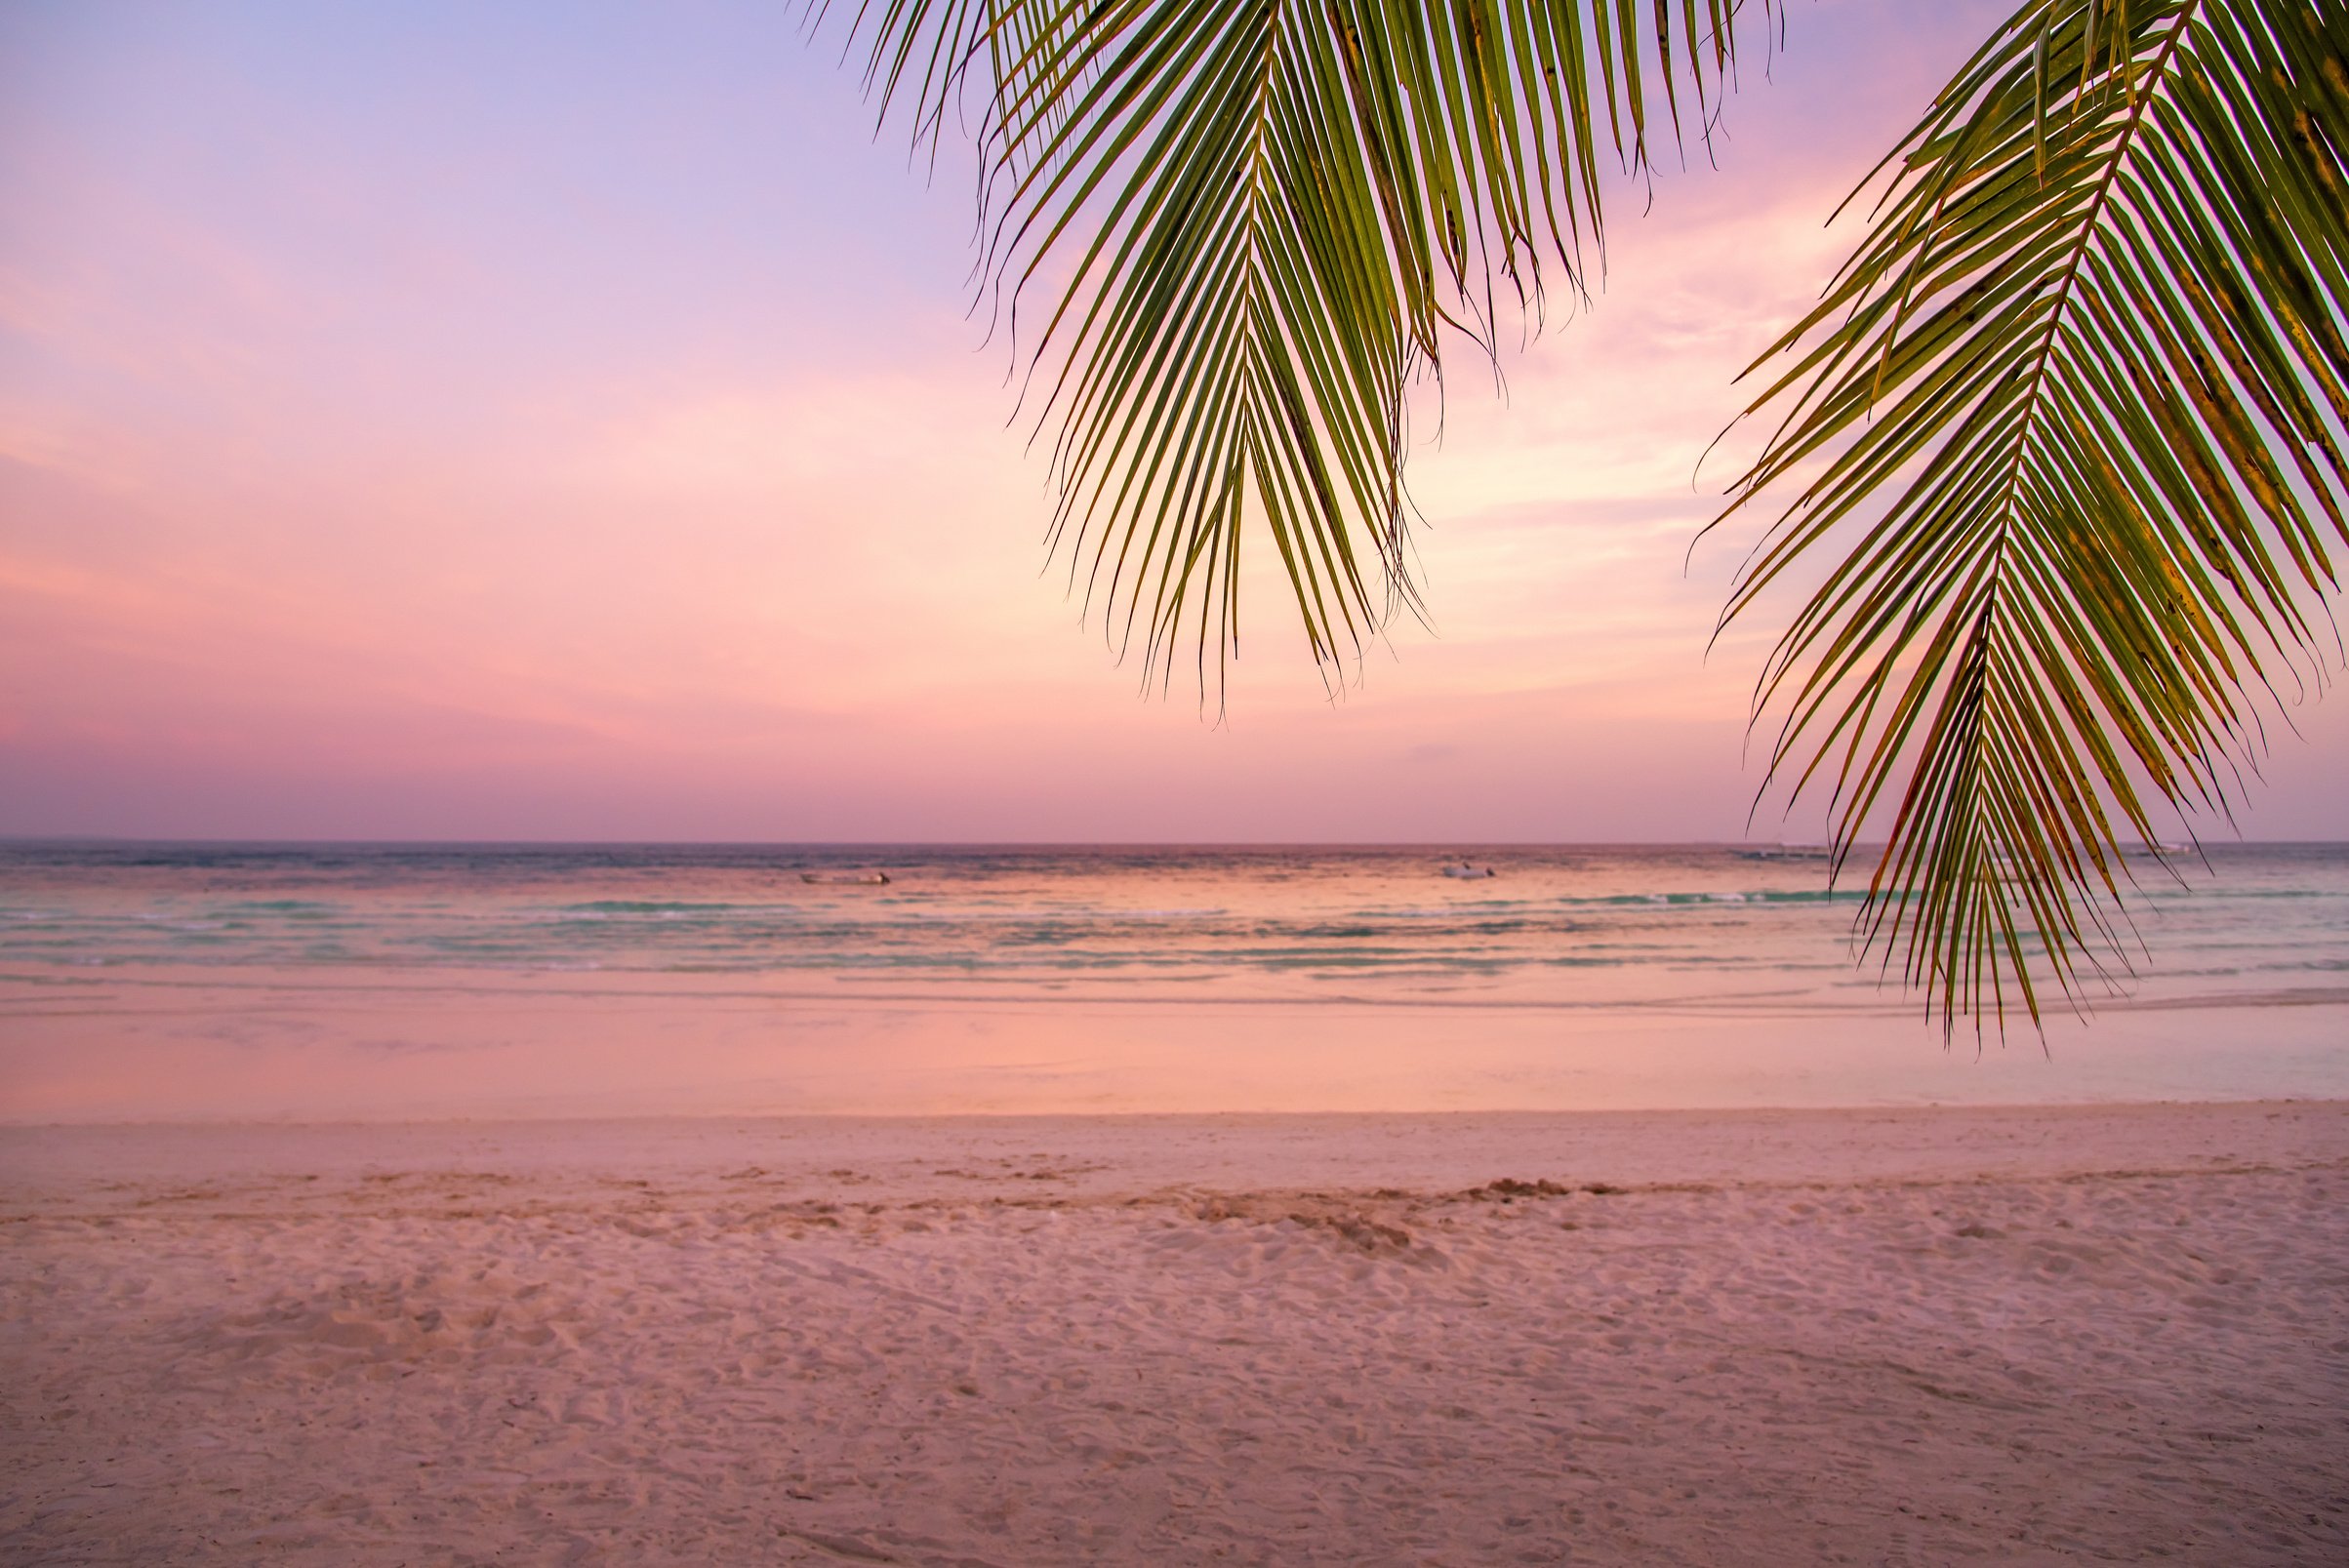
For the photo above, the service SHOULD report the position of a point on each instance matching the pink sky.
(562, 422)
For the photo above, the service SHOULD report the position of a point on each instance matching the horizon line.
(13, 841)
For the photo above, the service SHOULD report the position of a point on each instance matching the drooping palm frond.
(2080, 395)
(1257, 221)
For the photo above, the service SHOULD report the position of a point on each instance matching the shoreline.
(1817, 1142)
(301, 1053)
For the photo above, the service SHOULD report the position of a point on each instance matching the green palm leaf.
(1257, 222)
(2076, 410)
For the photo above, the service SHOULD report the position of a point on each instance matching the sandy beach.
(2021, 1336)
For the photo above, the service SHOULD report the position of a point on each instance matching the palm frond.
(2076, 403)
(1259, 222)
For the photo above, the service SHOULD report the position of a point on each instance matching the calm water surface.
(158, 979)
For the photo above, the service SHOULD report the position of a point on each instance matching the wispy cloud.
(462, 423)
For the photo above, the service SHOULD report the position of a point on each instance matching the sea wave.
(1549, 924)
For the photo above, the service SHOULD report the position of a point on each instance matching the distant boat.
(846, 878)
(1786, 852)
(1465, 869)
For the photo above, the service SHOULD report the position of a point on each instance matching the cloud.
(395, 438)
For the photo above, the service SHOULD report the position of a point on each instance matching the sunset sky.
(563, 421)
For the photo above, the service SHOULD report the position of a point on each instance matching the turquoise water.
(160, 980)
(1551, 921)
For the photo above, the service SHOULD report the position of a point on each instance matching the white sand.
(1915, 1337)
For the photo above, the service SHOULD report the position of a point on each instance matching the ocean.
(146, 981)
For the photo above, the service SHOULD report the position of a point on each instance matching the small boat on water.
(1465, 869)
(1786, 852)
(846, 878)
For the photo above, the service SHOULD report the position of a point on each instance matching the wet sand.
(2015, 1336)
(153, 1043)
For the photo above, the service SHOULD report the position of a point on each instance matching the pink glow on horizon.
(491, 427)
